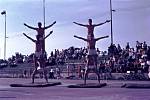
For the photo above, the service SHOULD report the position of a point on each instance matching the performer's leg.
(86, 69)
(33, 75)
(95, 60)
(97, 73)
(35, 70)
(86, 75)
(96, 69)
(45, 74)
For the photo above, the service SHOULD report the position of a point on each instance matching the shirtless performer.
(39, 60)
(92, 55)
(91, 26)
(41, 30)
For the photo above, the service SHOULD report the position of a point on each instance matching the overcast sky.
(131, 22)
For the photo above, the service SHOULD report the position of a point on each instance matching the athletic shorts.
(92, 52)
(38, 54)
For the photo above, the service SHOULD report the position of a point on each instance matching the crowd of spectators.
(72, 53)
(12, 61)
(129, 59)
(116, 59)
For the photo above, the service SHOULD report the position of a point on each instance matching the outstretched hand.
(24, 34)
(54, 22)
(51, 32)
(74, 22)
(107, 21)
(107, 36)
(75, 36)
(25, 24)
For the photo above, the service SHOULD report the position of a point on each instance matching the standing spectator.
(25, 73)
(144, 46)
(119, 49)
(138, 46)
(58, 76)
(149, 73)
(127, 46)
(51, 74)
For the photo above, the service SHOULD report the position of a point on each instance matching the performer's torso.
(38, 46)
(40, 31)
(91, 44)
(90, 29)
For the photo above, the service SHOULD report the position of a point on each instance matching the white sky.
(131, 22)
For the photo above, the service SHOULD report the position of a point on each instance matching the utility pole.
(4, 13)
(44, 22)
(44, 12)
(111, 27)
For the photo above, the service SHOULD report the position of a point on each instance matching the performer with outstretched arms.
(91, 26)
(41, 30)
(91, 64)
(39, 60)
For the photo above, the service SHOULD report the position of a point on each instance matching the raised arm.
(79, 24)
(29, 26)
(107, 21)
(49, 34)
(50, 25)
(101, 38)
(80, 38)
(29, 37)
